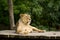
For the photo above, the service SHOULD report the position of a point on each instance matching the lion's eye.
(29, 19)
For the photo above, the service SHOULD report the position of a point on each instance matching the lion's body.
(23, 25)
(23, 28)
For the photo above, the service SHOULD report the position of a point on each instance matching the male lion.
(23, 25)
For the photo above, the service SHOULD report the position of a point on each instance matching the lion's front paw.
(25, 33)
(42, 31)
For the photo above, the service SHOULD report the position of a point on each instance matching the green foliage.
(4, 16)
(43, 12)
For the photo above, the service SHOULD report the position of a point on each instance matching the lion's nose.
(27, 22)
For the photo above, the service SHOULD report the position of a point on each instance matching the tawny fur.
(23, 25)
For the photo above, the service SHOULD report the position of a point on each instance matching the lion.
(23, 25)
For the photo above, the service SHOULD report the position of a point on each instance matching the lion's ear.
(21, 15)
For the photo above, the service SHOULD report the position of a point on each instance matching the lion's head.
(25, 18)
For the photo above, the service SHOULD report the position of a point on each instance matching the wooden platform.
(12, 34)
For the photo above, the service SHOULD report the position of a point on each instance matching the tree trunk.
(11, 16)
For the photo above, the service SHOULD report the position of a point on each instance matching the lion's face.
(26, 19)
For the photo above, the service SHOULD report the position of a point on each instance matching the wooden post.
(11, 16)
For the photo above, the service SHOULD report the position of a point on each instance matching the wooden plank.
(47, 34)
(33, 35)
